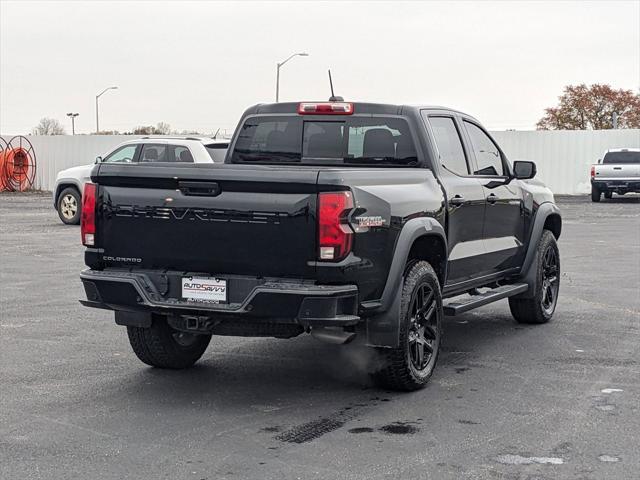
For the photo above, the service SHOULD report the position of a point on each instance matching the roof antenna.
(215, 135)
(333, 98)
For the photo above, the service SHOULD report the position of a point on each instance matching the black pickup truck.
(354, 222)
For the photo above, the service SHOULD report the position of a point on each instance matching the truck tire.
(540, 308)
(410, 365)
(162, 346)
(68, 206)
(595, 194)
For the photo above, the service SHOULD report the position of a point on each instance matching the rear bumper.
(270, 299)
(622, 184)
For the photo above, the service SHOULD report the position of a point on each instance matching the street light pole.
(301, 54)
(73, 122)
(97, 97)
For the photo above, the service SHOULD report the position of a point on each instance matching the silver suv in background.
(617, 172)
(67, 192)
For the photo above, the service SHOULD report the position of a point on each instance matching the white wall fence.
(57, 152)
(563, 157)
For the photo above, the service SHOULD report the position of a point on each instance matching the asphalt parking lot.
(560, 400)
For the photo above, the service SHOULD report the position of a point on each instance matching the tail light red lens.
(325, 108)
(88, 215)
(334, 233)
(593, 171)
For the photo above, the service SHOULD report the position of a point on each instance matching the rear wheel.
(540, 308)
(162, 346)
(69, 206)
(410, 365)
(595, 194)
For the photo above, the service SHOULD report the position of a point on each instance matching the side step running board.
(458, 307)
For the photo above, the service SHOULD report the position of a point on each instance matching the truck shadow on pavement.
(264, 373)
(625, 199)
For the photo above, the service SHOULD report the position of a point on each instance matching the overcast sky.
(198, 65)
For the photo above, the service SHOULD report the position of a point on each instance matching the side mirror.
(523, 170)
(599, 160)
(98, 160)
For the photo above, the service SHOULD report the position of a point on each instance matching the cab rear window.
(358, 141)
(621, 157)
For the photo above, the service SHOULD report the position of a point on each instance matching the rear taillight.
(325, 108)
(88, 215)
(593, 171)
(334, 233)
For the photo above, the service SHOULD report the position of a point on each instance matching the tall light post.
(97, 97)
(301, 54)
(73, 122)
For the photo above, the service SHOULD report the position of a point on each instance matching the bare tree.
(160, 129)
(187, 132)
(142, 130)
(48, 126)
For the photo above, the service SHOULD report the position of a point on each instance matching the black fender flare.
(529, 270)
(384, 326)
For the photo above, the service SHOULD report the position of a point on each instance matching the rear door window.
(152, 152)
(449, 144)
(371, 141)
(181, 154)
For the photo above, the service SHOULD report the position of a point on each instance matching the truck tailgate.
(215, 219)
(612, 171)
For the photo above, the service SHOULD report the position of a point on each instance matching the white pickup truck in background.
(617, 172)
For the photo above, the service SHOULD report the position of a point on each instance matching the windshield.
(622, 157)
(361, 141)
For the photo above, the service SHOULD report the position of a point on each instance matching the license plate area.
(204, 289)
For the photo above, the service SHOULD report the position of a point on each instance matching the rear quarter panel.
(396, 195)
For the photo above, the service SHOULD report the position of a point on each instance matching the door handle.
(457, 200)
(200, 189)
(493, 198)
(617, 168)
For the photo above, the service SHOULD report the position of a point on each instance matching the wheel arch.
(553, 223)
(421, 238)
(61, 186)
(547, 218)
(431, 248)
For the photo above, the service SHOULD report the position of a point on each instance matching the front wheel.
(595, 194)
(540, 308)
(162, 346)
(410, 365)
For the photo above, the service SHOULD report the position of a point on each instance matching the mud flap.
(383, 330)
(131, 319)
(530, 278)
